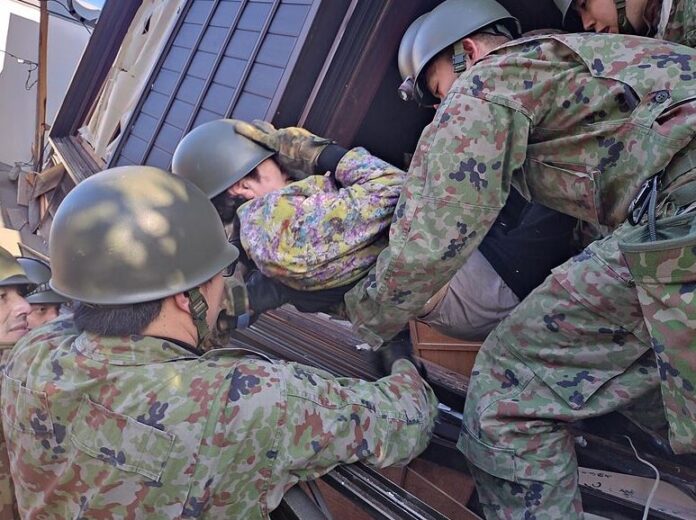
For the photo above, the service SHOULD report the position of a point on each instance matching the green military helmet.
(214, 156)
(447, 24)
(40, 274)
(11, 271)
(135, 234)
(405, 58)
(624, 24)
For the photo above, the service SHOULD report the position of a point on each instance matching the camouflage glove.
(297, 150)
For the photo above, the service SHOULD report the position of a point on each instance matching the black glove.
(399, 347)
(325, 300)
(264, 294)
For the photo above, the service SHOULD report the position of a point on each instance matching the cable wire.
(646, 511)
(31, 67)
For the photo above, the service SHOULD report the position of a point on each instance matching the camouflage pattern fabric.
(297, 150)
(665, 275)
(137, 427)
(679, 24)
(323, 232)
(8, 504)
(577, 123)
(577, 347)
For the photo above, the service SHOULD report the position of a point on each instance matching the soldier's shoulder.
(56, 330)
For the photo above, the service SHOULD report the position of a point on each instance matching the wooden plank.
(44, 228)
(39, 252)
(94, 66)
(34, 215)
(25, 187)
(78, 163)
(443, 489)
(48, 179)
(452, 353)
(41, 87)
(17, 217)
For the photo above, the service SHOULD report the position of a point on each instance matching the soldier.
(673, 20)
(14, 310)
(600, 127)
(118, 412)
(45, 303)
(523, 245)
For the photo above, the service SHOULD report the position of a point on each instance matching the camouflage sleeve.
(678, 22)
(331, 421)
(458, 182)
(317, 233)
(372, 175)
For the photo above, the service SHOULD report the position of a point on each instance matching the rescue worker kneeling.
(119, 412)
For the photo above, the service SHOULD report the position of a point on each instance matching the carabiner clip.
(640, 204)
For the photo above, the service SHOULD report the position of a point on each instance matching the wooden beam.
(94, 66)
(41, 87)
(48, 179)
(25, 187)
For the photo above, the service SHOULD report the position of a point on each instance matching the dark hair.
(227, 206)
(116, 320)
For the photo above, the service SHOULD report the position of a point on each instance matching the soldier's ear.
(181, 301)
(473, 49)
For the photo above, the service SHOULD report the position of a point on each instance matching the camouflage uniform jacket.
(577, 122)
(8, 505)
(138, 427)
(323, 232)
(678, 22)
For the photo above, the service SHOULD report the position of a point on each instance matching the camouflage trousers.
(587, 342)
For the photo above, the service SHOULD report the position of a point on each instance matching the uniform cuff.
(329, 158)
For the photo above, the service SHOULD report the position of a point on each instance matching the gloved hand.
(297, 149)
(234, 312)
(265, 294)
(397, 348)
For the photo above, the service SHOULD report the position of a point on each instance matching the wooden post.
(41, 87)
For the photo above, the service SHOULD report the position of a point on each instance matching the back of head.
(11, 271)
(214, 156)
(447, 24)
(135, 234)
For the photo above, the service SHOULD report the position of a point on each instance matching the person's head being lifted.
(613, 16)
(124, 246)
(444, 42)
(230, 167)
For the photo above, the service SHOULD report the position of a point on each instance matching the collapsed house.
(154, 70)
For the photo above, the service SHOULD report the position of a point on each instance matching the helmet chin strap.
(459, 57)
(199, 312)
(625, 26)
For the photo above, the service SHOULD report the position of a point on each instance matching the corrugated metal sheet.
(225, 59)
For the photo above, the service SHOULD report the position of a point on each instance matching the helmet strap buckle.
(459, 58)
(199, 312)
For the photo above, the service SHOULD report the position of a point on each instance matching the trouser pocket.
(665, 275)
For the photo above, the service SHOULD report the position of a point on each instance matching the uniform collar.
(131, 350)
